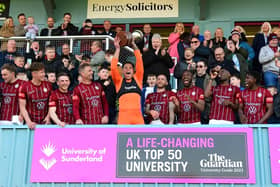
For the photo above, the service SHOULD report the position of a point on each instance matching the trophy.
(126, 37)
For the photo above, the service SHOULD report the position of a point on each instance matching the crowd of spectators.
(220, 80)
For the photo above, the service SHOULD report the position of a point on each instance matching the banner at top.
(132, 9)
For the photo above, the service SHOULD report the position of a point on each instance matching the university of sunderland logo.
(48, 150)
(252, 110)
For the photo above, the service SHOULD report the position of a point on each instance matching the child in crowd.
(51, 77)
(31, 29)
(110, 92)
(235, 81)
(19, 62)
(22, 74)
(150, 88)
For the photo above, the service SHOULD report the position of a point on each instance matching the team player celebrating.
(9, 91)
(191, 101)
(159, 105)
(34, 97)
(128, 88)
(255, 102)
(60, 104)
(89, 101)
(224, 96)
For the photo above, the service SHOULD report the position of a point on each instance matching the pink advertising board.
(148, 155)
(274, 146)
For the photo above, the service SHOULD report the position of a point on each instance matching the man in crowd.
(9, 91)
(146, 43)
(224, 96)
(255, 102)
(128, 87)
(89, 101)
(34, 97)
(52, 62)
(159, 105)
(50, 30)
(97, 57)
(19, 29)
(60, 104)
(191, 100)
(200, 51)
(107, 29)
(67, 28)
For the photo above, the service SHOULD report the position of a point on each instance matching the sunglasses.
(194, 42)
(199, 66)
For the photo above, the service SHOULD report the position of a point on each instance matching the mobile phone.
(29, 61)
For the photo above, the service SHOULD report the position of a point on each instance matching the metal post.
(107, 44)
(27, 46)
(71, 45)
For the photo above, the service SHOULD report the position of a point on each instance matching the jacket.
(267, 59)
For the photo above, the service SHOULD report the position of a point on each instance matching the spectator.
(148, 88)
(34, 97)
(89, 98)
(66, 52)
(236, 36)
(19, 29)
(174, 39)
(9, 90)
(97, 57)
(199, 50)
(107, 29)
(159, 105)
(220, 59)
(8, 55)
(87, 29)
(269, 57)
(235, 81)
(35, 54)
(219, 40)
(157, 60)
(7, 30)
(60, 105)
(187, 64)
(260, 40)
(50, 30)
(182, 45)
(276, 30)
(207, 39)
(19, 62)
(118, 29)
(191, 101)
(196, 33)
(239, 61)
(67, 28)
(224, 97)
(51, 78)
(256, 103)
(146, 43)
(201, 80)
(31, 29)
(52, 62)
(110, 92)
(128, 86)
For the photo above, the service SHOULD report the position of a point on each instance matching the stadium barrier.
(16, 143)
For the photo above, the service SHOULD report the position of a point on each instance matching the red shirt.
(220, 94)
(63, 104)
(9, 99)
(89, 103)
(37, 99)
(159, 102)
(189, 113)
(254, 103)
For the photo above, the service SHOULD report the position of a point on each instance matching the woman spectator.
(260, 40)
(7, 30)
(174, 39)
(242, 33)
(183, 44)
(219, 40)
